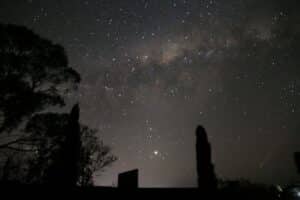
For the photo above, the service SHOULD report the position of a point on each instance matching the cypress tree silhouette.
(73, 146)
(65, 168)
(297, 161)
(207, 181)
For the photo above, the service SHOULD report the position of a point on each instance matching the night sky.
(152, 70)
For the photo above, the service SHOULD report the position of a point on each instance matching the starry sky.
(152, 70)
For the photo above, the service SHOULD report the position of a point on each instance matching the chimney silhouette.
(207, 181)
(128, 179)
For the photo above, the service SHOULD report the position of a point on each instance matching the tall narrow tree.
(207, 181)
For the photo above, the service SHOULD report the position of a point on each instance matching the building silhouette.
(128, 179)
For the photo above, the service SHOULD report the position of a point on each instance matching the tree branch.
(6, 145)
(21, 149)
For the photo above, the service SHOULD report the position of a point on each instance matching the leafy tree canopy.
(34, 74)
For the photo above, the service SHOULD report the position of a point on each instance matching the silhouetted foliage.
(290, 192)
(35, 147)
(207, 181)
(34, 75)
(94, 158)
(64, 170)
(244, 189)
(50, 160)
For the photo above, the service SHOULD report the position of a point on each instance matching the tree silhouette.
(64, 169)
(94, 157)
(36, 147)
(34, 75)
(207, 181)
(62, 153)
(297, 160)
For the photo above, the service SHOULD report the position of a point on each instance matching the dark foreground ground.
(42, 192)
